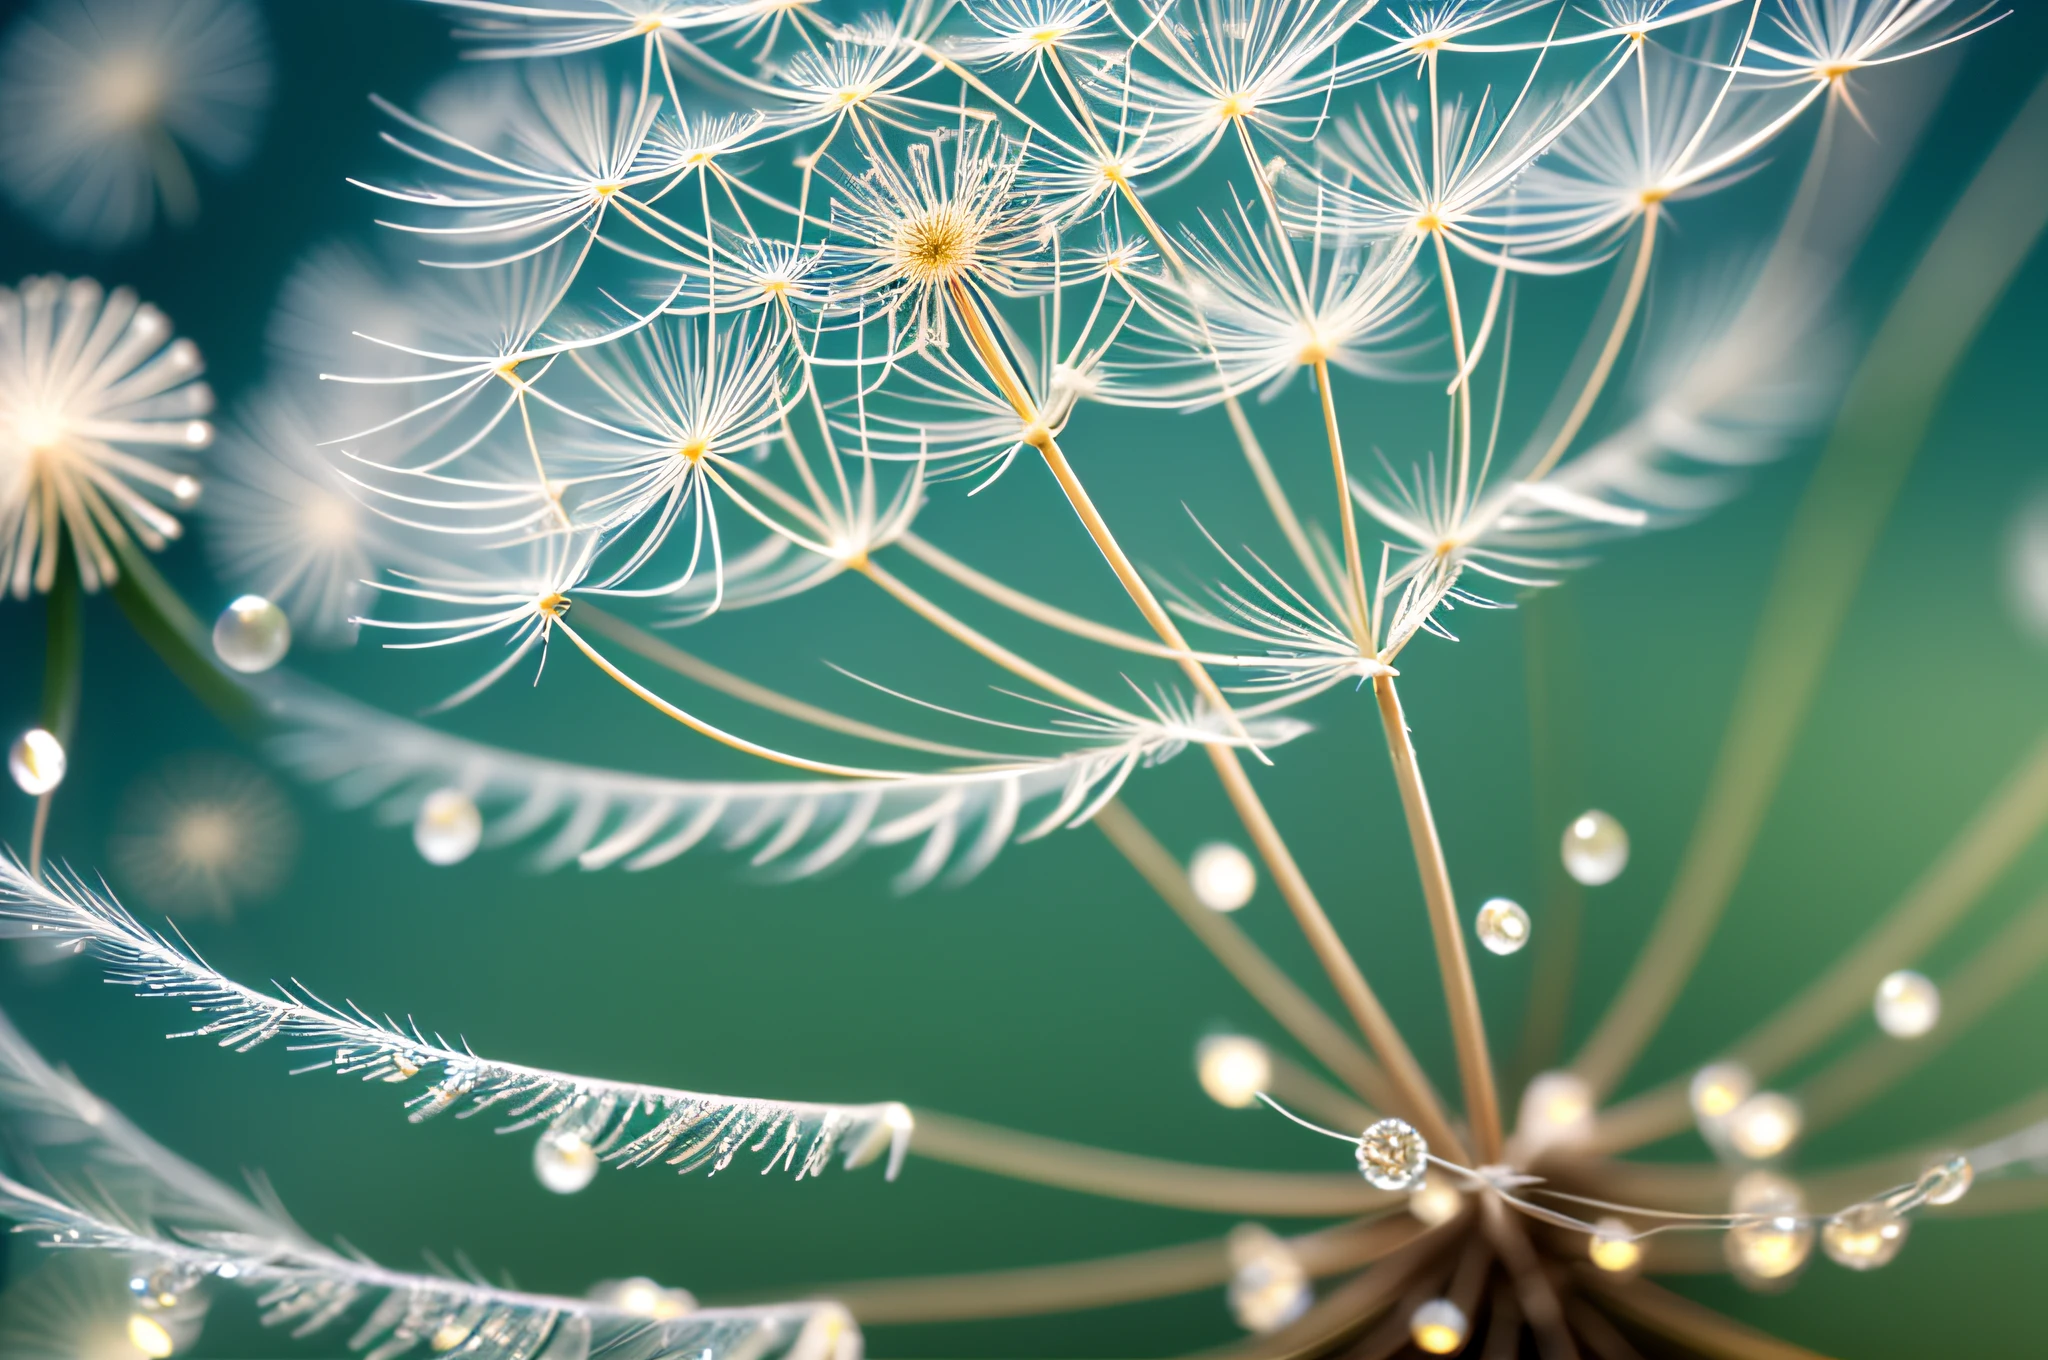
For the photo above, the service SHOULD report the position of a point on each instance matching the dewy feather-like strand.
(623, 1122)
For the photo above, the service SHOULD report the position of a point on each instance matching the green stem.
(168, 625)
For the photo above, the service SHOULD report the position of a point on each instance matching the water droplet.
(36, 760)
(564, 1162)
(1947, 1181)
(1435, 1202)
(1502, 925)
(1557, 1107)
(1766, 1252)
(1268, 1287)
(1222, 876)
(1716, 1091)
(1233, 1069)
(1864, 1236)
(1613, 1246)
(448, 827)
(1438, 1327)
(1907, 1004)
(148, 1336)
(1595, 848)
(1392, 1155)
(643, 1297)
(1764, 1125)
(251, 635)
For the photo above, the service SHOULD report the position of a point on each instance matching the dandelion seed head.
(204, 834)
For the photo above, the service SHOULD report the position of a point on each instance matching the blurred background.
(1056, 994)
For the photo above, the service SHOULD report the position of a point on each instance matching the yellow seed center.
(937, 245)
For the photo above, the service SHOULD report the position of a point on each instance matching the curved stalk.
(1144, 1180)
(1603, 366)
(1468, 1026)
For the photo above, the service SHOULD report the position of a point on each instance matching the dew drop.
(1864, 1236)
(1222, 876)
(1438, 1327)
(1766, 1252)
(148, 1336)
(36, 760)
(1392, 1155)
(1595, 848)
(1947, 1181)
(564, 1162)
(1435, 1202)
(1907, 1004)
(1557, 1107)
(1503, 926)
(643, 1297)
(448, 827)
(1717, 1090)
(1765, 1125)
(1613, 1247)
(251, 635)
(1268, 1287)
(1233, 1069)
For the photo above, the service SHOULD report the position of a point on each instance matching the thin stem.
(1972, 862)
(692, 667)
(1143, 1180)
(1126, 1278)
(1549, 636)
(1690, 1324)
(1892, 400)
(36, 834)
(980, 642)
(1468, 1026)
(1347, 511)
(1256, 973)
(1603, 366)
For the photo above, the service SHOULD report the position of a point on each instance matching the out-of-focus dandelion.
(204, 834)
(93, 392)
(103, 101)
(79, 1306)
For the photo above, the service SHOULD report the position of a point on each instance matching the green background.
(1056, 994)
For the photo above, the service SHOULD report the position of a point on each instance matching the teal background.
(1055, 994)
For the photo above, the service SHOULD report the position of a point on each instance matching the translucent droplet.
(1907, 1004)
(1233, 1069)
(1766, 1252)
(1864, 1236)
(1716, 1091)
(36, 760)
(1595, 848)
(1438, 1327)
(564, 1162)
(1502, 926)
(251, 635)
(1222, 876)
(1392, 1155)
(1557, 1107)
(1435, 1202)
(1613, 1246)
(643, 1297)
(830, 1333)
(1764, 1125)
(1947, 1181)
(148, 1336)
(1268, 1287)
(448, 827)
(450, 1334)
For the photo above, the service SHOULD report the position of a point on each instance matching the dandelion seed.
(93, 390)
(204, 834)
(102, 101)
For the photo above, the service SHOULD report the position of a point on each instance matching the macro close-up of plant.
(755, 544)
